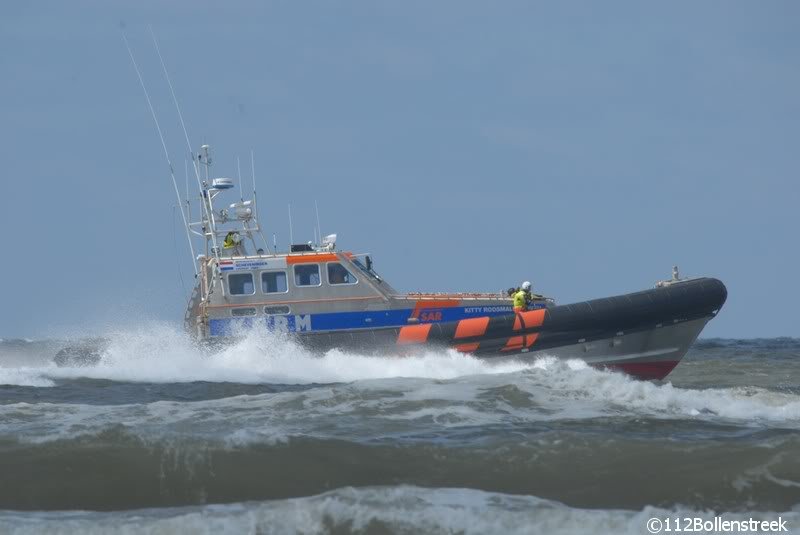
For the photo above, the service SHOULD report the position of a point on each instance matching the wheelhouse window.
(368, 268)
(274, 282)
(241, 284)
(338, 274)
(306, 275)
(278, 310)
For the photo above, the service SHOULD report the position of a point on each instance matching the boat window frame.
(328, 274)
(287, 313)
(252, 281)
(361, 267)
(254, 309)
(304, 264)
(261, 274)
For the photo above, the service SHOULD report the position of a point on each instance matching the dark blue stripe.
(337, 321)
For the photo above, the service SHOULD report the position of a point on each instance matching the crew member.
(523, 297)
(230, 240)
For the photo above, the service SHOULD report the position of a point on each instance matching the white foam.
(403, 509)
(364, 409)
(616, 392)
(158, 353)
(445, 387)
(24, 377)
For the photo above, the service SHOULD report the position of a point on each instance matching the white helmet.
(526, 286)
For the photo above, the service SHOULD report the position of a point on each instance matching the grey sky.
(467, 146)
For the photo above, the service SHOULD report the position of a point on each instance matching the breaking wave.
(380, 509)
(160, 354)
(263, 419)
(444, 386)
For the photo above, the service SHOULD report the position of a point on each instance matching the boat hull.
(644, 334)
(649, 354)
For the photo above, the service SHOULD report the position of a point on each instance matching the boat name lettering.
(486, 310)
(251, 264)
(302, 323)
(297, 323)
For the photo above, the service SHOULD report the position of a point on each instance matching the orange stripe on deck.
(472, 327)
(467, 348)
(530, 318)
(311, 258)
(414, 334)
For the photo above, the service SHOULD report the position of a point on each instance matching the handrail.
(298, 301)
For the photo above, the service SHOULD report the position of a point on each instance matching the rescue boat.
(327, 298)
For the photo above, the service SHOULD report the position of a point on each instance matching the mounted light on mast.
(222, 184)
(243, 210)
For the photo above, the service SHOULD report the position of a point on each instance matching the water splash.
(441, 385)
(158, 353)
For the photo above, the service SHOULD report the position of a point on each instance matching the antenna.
(188, 203)
(253, 171)
(164, 146)
(255, 199)
(175, 100)
(319, 229)
(239, 170)
(186, 175)
(274, 243)
(291, 236)
(204, 199)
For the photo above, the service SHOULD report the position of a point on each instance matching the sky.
(468, 146)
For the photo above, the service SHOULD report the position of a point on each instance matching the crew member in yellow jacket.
(523, 297)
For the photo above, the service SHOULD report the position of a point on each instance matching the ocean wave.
(729, 472)
(463, 385)
(545, 391)
(399, 509)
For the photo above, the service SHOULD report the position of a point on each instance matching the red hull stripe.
(467, 348)
(472, 327)
(645, 370)
(414, 334)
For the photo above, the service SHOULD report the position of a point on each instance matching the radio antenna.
(204, 199)
(255, 200)
(291, 235)
(163, 145)
(239, 171)
(253, 173)
(186, 176)
(319, 229)
(175, 101)
(188, 203)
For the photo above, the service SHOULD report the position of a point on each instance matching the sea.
(261, 436)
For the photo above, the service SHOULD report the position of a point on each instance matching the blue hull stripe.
(340, 321)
